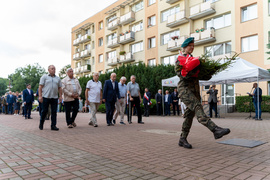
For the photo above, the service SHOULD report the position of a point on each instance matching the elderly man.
(121, 104)
(110, 96)
(49, 87)
(93, 94)
(133, 90)
(71, 91)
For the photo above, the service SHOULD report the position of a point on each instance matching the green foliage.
(243, 104)
(152, 109)
(62, 72)
(3, 86)
(30, 74)
(102, 108)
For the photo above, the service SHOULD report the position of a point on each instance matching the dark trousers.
(212, 106)
(136, 102)
(110, 106)
(10, 108)
(175, 104)
(46, 103)
(5, 110)
(167, 108)
(62, 107)
(27, 109)
(74, 106)
(159, 108)
(40, 106)
(146, 109)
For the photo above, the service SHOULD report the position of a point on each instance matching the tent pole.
(258, 89)
(162, 101)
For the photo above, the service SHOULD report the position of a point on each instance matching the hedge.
(243, 104)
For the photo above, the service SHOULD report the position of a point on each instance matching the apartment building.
(152, 31)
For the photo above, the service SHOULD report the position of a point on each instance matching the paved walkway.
(135, 151)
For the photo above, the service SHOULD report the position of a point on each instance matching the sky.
(39, 31)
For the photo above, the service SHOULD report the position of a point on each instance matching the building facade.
(152, 31)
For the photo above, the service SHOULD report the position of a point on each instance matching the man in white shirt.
(93, 95)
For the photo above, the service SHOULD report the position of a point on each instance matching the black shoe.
(141, 122)
(130, 122)
(113, 121)
(108, 124)
(184, 143)
(30, 118)
(54, 128)
(41, 126)
(220, 132)
(112, 124)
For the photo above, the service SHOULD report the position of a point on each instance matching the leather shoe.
(220, 132)
(184, 143)
(41, 126)
(54, 128)
(30, 118)
(141, 122)
(113, 121)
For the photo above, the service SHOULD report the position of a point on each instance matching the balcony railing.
(126, 38)
(127, 18)
(112, 61)
(174, 45)
(76, 56)
(113, 25)
(176, 19)
(113, 43)
(85, 53)
(86, 68)
(128, 57)
(172, 1)
(85, 38)
(77, 70)
(76, 42)
(202, 10)
(204, 37)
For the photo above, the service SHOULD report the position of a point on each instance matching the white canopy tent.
(240, 72)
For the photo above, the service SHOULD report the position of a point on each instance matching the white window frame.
(152, 62)
(111, 55)
(224, 17)
(111, 18)
(152, 21)
(169, 12)
(100, 25)
(100, 58)
(87, 46)
(100, 41)
(137, 47)
(111, 37)
(248, 39)
(249, 9)
(136, 27)
(171, 59)
(150, 2)
(170, 34)
(212, 49)
(137, 7)
(151, 42)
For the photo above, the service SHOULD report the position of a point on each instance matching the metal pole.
(162, 100)
(258, 93)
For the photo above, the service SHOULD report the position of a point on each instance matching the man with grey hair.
(49, 87)
(71, 91)
(133, 90)
(93, 94)
(121, 104)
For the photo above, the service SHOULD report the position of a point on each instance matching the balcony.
(85, 38)
(176, 19)
(204, 37)
(202, 10)
(126, 38)
(172, 1)
(77, 70)
(76, 42)
(113, 43)
(127, 18)
(175, 45)
(112, 61)
(85, 53)
(113, 25)
(128, 57)
(76, 56)
(86, 68)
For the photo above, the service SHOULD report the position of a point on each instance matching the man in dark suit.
(212, 100)
(110, 95)
(167, 103)
(175, 101)
(10, 102)
(146, 102)
(28, 99)
(158, 98)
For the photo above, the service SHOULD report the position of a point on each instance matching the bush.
(102, 108)
(152, 109)
(243, 104)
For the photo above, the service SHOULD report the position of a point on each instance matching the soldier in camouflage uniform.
(189, 92)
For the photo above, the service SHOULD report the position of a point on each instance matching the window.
(137, 7)
(249, 12)
(137, 27)
(219, 49)
(210, 0)
(111, 55)
(219, 22)
(150, 2)
(100, 25)
(152, 62)
(93, 29)
(100, 72)
(78, 64)
(111, 37)
(100, 58)
(137, 47)
(269, 8)
(87, 61)
(151, 42)
(151, 21)
(79, 35)
(110, 70)
(206, 88)
(249, 43)
(169, 60)
(111, 18)
(93, 60)
(168, 12)
(166, 37)
(87, 31)
(100, 41)
(87, 47)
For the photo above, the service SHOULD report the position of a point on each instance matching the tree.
(62, 72)
(30, 74)
(3, 86)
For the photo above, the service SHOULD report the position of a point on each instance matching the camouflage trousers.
(192, 101)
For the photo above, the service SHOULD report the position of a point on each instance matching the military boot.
(219, 132)
(184, 143)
